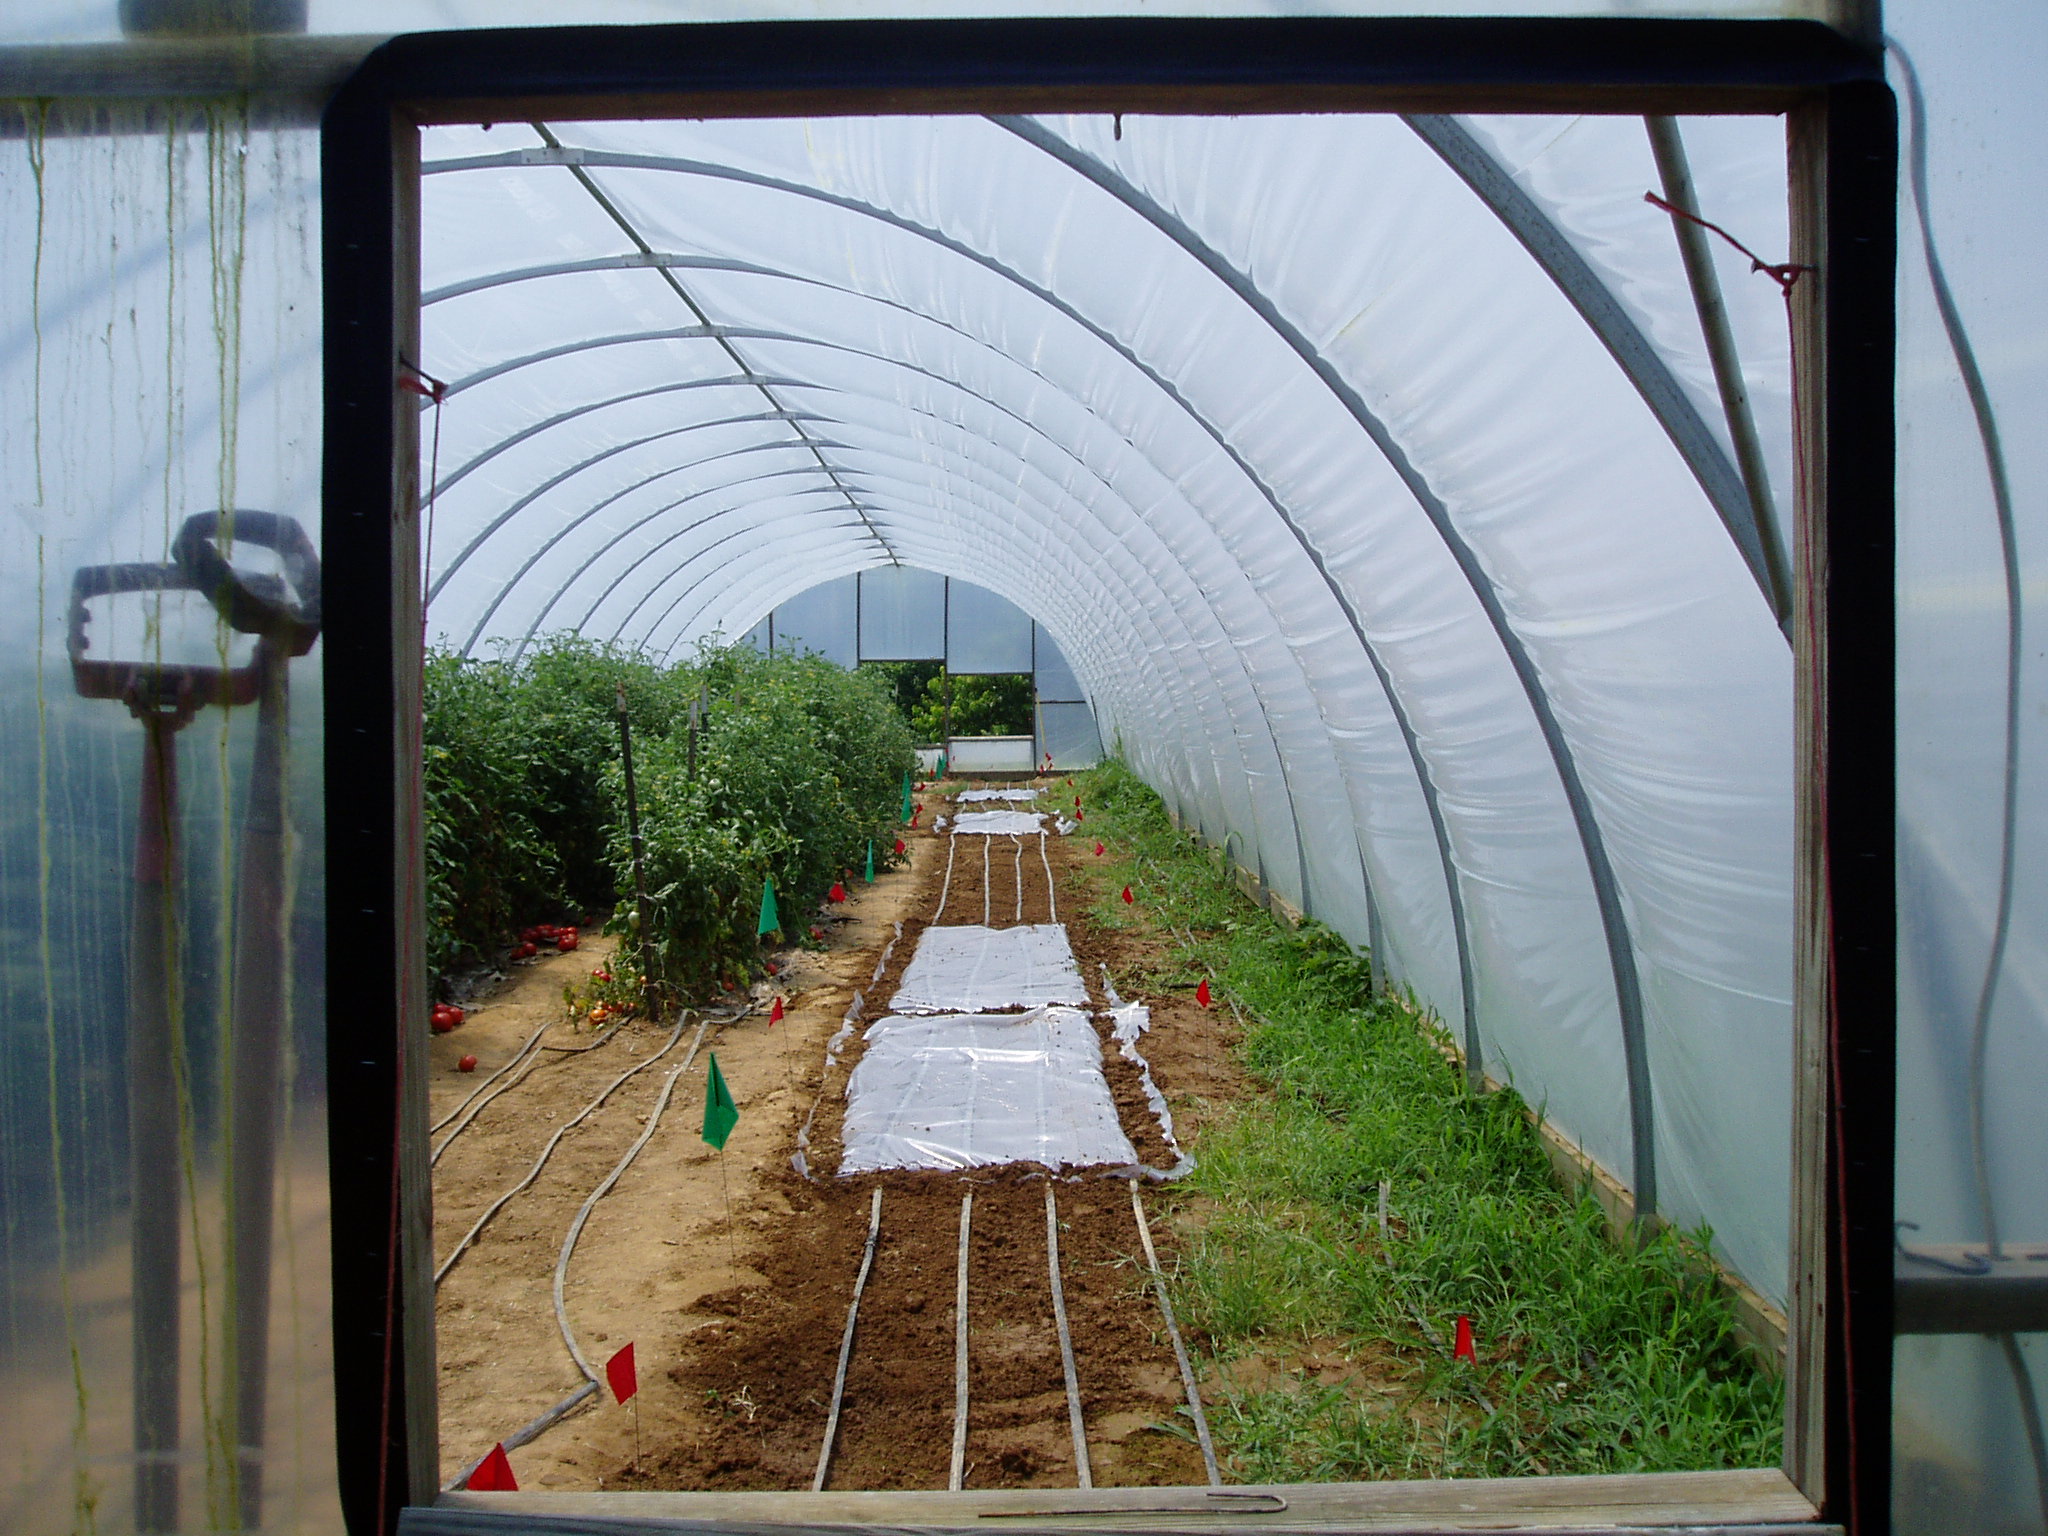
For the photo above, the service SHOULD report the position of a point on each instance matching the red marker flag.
(774, 1017)
(899, 847)
(1077, 802)
(837, 893)
(619, 1372)
(1202, 992)
(915, 814)
(1128, 898)
(1098, 850)
(1463, 1349)
(493, 1474)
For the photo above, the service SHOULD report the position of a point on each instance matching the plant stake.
(648, 996)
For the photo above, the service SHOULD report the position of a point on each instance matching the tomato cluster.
(444, 1017)
(559, 938)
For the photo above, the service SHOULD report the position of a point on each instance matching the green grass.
(1594, 1355)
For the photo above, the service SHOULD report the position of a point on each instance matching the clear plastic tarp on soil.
(971, 1091)
(975, 969)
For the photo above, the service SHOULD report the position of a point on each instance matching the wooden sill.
(1761, 1503)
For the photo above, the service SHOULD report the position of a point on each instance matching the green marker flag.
(942, 766)
(906, 796)
(771, 920)
(871, 863)
(720, 1113)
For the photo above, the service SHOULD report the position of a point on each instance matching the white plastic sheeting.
(159, 357)
(970, 1091)
(1128, 1024)
(1016, 796)
(998, 824)
(974, 969)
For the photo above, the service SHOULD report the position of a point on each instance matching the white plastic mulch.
(969, 796)
(971, 969)
(966, 1091)
(999, 823)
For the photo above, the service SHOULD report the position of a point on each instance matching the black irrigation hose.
(518, 1056)
(533, 1429)
(554, 1141)
(1077, 1427)
(860, 1282)
(1180, 1349)
(533, 1065)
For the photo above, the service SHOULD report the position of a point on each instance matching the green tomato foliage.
(799, 765)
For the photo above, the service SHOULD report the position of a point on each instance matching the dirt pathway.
(737, 1325)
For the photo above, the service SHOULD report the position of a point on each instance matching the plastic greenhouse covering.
(1370, 473)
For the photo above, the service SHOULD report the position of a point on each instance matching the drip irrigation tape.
(1084, 1474)
(867, 1263)
(957, 1475)
(1019, 872)
(1052, 901)
(561, 1410)
(985, 880)
(952, 847)
(554, 1141)
(1180, 1350)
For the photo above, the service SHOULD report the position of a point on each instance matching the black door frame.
(1843, 159)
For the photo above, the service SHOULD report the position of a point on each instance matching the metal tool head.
(283, 608)
(148, 687)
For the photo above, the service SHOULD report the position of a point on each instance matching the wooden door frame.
(1843, 152)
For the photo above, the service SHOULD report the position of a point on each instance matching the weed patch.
(1593, 1356)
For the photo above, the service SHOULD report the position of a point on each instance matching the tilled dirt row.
(998, 882)
(765, 1375)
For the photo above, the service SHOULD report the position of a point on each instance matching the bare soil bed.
(737, 1322)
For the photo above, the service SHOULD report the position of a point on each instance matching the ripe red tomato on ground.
(467, 1064)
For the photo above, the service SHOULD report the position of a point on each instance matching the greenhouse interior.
(1115, 767)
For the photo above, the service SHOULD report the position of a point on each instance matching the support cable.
(1638, 358)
